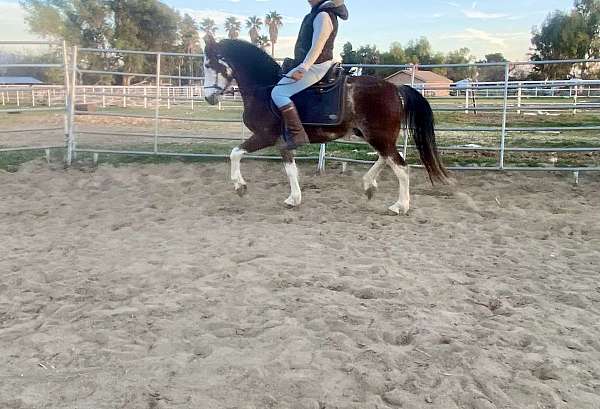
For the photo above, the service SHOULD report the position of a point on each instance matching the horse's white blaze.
(236, 173)
(403, 204)
(296, 195)
(212, 80)
(370, 179)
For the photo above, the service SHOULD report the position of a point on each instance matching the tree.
(190, 38)
(120, 24)
(208, 26)
(254, 23)
(562, 36)
(349, 56)
(492, 73)
(418, 51)
(590, 11)
(274, 21)
(190, 44)
(263, 42)
(233, 27)
(461, 56)
(397, 52)
(143, 25)
(84, 22)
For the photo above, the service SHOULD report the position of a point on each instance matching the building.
(20, 81)
(435, 85)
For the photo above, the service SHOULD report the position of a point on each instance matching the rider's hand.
(298, 75)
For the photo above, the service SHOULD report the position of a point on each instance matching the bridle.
(220, 90)
(217, 87)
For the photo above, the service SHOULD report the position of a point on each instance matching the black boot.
(294, 134)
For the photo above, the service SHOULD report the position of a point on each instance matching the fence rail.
(503, 98)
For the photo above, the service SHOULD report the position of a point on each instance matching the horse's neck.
(251, 92)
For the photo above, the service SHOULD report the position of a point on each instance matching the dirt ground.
(155, 286)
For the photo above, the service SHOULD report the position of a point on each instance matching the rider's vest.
(304, 43)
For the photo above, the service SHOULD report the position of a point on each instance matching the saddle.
(324, 103)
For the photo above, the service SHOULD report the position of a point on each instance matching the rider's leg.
(294, 134)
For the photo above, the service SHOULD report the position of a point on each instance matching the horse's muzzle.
(213, 99)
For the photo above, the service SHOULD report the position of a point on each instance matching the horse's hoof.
(291, 203)
(241, 190)
(370, 192)
(396, 210)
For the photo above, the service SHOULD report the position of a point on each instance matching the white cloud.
(513, 45)
(217, 15)
(476, 14)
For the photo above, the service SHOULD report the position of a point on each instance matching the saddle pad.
(322, 105)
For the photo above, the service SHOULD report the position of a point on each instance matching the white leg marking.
(296, 196)
(370, 179)
(236, 173)
(403, 204)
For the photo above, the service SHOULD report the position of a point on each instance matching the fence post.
(71, 140)
(321, 165)
(49, 98)
(157, 107)
(575, 99)
(504, 115)
(467, 100)
(519, 97)
(67, 99)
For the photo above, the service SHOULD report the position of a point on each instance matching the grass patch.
(11, 161)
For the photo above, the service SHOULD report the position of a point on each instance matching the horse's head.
(218, 75)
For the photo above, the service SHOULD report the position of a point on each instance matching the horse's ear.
(209, 40)
(210, 43)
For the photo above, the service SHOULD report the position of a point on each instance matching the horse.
(376, 111)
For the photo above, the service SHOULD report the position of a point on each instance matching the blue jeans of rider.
(287, 87)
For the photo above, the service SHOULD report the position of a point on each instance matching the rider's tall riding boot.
(294, 134)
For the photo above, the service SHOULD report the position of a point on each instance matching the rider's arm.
(323, 27)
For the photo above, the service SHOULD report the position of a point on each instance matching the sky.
(483, 26)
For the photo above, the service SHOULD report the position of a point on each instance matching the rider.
(314, 53)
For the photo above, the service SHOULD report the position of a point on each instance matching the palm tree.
(190, 38)
(233, 27)
(254, 23)
(208, 26)
(274, 21)
(263, 42)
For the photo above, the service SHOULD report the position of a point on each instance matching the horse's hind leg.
(400, 168)
(370, 178)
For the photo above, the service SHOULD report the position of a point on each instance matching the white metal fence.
(500, 98)
(43, 99)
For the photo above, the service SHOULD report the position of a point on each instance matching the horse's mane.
(257, 65)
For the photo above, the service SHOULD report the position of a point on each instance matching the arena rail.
(511, 95)
(19, 109)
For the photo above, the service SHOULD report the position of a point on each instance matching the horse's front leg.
(255, 143)
(291, 170)
(236, 173)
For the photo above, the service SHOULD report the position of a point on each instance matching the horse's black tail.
(418, 118)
